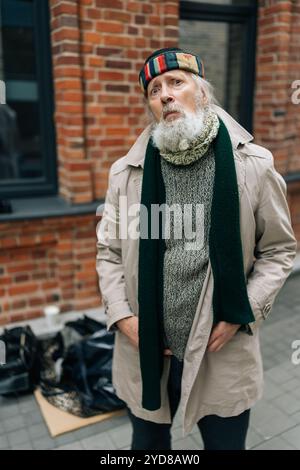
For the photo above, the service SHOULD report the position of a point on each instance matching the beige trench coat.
(230, 381)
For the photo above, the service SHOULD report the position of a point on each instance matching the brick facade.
(54, 264)
(98, 47)
(276, 117)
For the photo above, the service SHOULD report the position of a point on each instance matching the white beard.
(179, 133)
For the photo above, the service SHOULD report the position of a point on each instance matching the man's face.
(172, 90)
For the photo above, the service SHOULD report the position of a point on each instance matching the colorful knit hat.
(166, 59)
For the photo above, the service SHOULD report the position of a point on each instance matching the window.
(223, 34)
(27, 141)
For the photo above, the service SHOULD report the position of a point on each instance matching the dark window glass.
(27, 158)
(18, 53)
(223, 34)
(220, 46)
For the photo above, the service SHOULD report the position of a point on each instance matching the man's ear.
(204, 97)
(148, 111)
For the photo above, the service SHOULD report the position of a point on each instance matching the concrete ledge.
(42, 329)
(45, 207)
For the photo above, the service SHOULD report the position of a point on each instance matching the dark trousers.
(217, 433)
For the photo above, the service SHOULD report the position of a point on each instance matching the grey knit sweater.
(185, 269)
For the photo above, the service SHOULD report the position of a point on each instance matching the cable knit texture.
(185, 270)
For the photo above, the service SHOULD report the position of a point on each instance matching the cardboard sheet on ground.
(60, 422)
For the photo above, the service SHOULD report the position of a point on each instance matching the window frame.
(39, 21)
(246, 15)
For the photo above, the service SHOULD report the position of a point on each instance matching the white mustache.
(171, 109)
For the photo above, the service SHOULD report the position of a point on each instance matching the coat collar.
(136, 155)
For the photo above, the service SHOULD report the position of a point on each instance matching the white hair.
(207, 89)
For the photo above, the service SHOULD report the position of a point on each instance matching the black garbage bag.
(21, 371)
(88, 364)
(83, 385)
(85, 326)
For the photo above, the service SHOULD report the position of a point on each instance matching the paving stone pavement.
(275, 420)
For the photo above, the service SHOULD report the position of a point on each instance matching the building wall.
(98, 48)
(276, 117)
(48, 261)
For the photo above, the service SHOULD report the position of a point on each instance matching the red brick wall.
(276, 117)
(99, 46)
(74, 169)
(47, 261)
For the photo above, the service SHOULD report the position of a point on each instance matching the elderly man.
(186, 300)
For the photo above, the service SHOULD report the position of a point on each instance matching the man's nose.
(165, 96)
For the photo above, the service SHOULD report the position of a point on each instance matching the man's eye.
(153, 91)
(177, 81)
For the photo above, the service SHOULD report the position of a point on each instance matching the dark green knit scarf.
(230, 299)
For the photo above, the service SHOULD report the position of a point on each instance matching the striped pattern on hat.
(169, 60)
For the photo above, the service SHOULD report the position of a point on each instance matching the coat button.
(266, 310)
